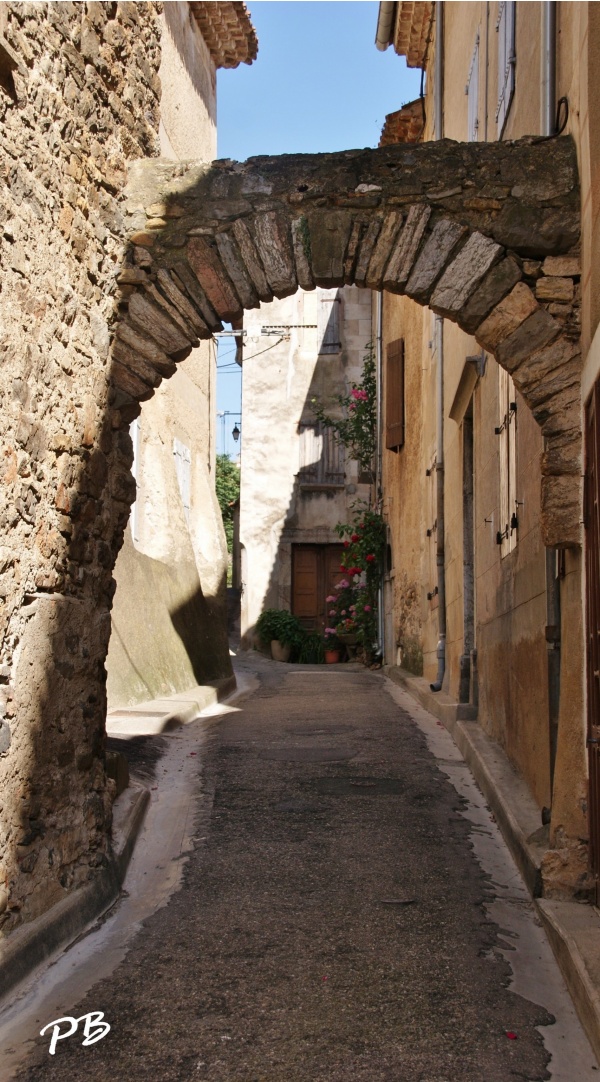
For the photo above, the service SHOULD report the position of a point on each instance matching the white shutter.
(183, 469)
(505, 28)
(328, 321)
(472, 90)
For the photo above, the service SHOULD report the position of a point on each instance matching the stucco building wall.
(511, 587)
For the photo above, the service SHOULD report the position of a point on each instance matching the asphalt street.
(346, 912)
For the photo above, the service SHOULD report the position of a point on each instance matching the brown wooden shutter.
(394, 395)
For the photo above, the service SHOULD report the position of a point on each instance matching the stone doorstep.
(159, 715)
(30, 947)
(572, 928)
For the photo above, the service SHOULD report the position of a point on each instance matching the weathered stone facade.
(83, 101)
(484, 234)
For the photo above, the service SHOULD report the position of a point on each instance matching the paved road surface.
(345, 915)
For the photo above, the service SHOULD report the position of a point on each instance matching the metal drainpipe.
(439, 334)
(378, 467)
(439, 476)
(548, 67)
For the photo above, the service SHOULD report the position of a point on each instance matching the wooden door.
(592, 559)
(315, 571)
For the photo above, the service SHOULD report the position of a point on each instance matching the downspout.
(439, 476)
(439, 336)
(548, 67)
(379, 462)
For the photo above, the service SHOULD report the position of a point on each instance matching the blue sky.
(318, 84)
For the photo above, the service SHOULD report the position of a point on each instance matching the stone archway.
(484, 234)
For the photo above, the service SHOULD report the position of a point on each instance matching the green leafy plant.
(357, 429)
(227, 486)
(281, 625)
(312, 651)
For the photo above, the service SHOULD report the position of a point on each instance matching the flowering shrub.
(357, 430)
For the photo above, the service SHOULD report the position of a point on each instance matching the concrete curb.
(170, 712)
(33, 944)
(572, 928)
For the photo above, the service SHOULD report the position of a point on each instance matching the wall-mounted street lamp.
(235, 433)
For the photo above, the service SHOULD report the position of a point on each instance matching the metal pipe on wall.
(379, 461)
(548, 118)
(438, 124)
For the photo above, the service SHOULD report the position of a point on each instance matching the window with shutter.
(134, 432)
(507, 434)
(394, 395)
(329, 305)
(321, 456)
(183, 469)
(472, 91)
(505, 29)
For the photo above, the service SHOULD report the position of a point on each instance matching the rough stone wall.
(84, 102)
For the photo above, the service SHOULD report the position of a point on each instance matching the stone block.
(439, 246)
(406, 248)
(252, 262)
(555, 289)
(149, 319)
(491, 290)
(234, 265)
(382, 250)
(273, 242)
(562, 266)
(210, 272)
(542, 365)
(537, 331)
(181, 303)
(147, 347)
(463, 275)
(330, 234)
(509, 314)
(563, 455)
(561, 511)
(365, 251)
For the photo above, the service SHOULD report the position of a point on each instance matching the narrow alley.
(346, 911)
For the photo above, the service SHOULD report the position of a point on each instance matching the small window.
(394, 395)
(183, 469)
(505, 28)
(472, 92)
(329, 305)
(507, 434)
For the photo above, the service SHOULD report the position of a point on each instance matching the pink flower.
(351, 407)
(331, 597)
(370, 558)
(359, 396)
(343, 612)
(332, 612)
(330, 631)
(367, 608)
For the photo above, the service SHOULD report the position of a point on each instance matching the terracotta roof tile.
(227, 31)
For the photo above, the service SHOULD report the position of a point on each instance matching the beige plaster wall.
(171, 579)
(277, 388)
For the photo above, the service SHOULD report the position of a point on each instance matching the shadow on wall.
(167, 634)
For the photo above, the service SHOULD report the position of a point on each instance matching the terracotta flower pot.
(279, 652)
(332, 657)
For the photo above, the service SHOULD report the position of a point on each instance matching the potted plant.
(333, 647)
(282, 630)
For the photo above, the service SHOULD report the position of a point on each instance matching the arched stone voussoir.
(472, 230)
